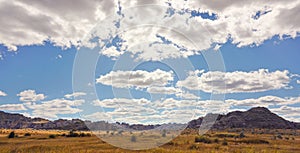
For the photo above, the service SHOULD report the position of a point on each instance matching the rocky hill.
(18, 121)
(258, 117)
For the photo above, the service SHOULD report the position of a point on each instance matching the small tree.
(133, 138)
(52, 136)
(224, 143)
(164, 133)
(279, 136)
(12, 135)
(242, 135)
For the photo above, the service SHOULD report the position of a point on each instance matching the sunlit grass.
(39, 141)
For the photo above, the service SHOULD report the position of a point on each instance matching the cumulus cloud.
(63, 23)
(30, 96)
(237, 81)
(250, 22)
(164, 90)
(50, 109)
(298, 81)
(97, 116)
(120, 102)
(288, 112)
(264, 101)
(12, 107)
(2, 93)
(75, 95)
(136, 79)
(168, 110)
(242, 23)
(170, 91)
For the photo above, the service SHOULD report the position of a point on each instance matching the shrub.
(193, 146)
(52, 136)
(72, 133)
(164, 133)
(279, 136)
(203, 139)
(242, 135)
(27, 134)
(88, 135)
(12, 135)
(255, 141)
(225, 135)
(133, 138)
(171, 143)
(216, 140)
(82, 135)
(224, 143)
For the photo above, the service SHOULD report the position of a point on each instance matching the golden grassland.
(279, 141)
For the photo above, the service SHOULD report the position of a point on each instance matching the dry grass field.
(284, 141)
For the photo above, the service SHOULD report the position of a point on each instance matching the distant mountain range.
(258, 117)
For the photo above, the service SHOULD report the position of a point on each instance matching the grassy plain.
(260, 141)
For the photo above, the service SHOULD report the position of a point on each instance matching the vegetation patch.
(203, 140)
(222, 135)
(254, 141)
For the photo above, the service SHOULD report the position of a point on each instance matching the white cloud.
(244, 22)
(58, 56)
(30, 96)
(163, 90)
(50, 109)
(288, 112)
(12, 107)
(187, 95)
(160, 111)
(136, 79)
(237, 81)
(64, 23)
(120, 102)
(98, 116)
(264, 101)
(75, 95)
(2, 93)
(171, 103)
(298, 81)
(172, 90)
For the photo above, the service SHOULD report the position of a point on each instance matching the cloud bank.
(64, 23)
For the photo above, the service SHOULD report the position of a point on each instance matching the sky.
(149, 61)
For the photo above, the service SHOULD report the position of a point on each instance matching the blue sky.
(170, 74)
